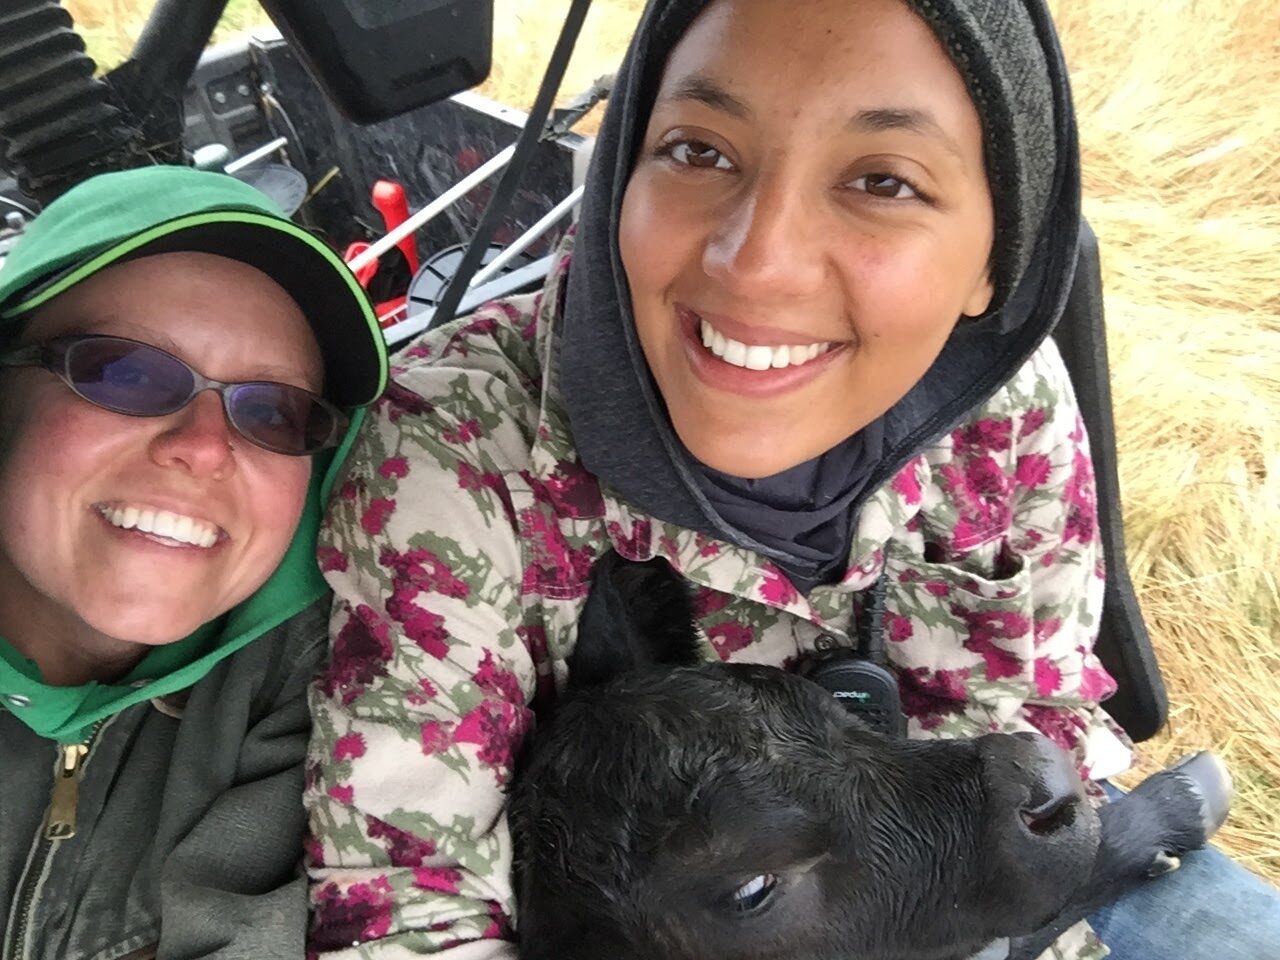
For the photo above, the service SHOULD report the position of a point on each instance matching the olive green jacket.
(188, 812)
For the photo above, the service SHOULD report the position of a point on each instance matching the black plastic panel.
(377, 59)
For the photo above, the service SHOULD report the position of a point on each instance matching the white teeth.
(165, 525)
(758, 357)
(162, 523)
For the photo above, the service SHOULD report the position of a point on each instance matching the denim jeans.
(1211, 908)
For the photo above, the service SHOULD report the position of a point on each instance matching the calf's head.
(736, 811)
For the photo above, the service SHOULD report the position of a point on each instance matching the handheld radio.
(859, 678)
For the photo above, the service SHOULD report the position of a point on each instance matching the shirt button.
(17, 700)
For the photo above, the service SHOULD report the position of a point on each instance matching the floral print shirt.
(459, 545)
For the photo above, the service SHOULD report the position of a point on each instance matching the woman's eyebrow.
(702, 89)
(908, 119)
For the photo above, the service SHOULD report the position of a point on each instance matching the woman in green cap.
(179, 365)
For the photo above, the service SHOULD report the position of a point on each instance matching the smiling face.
(808, 219)
(82, 584)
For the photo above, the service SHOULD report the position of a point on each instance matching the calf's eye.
(753, 894)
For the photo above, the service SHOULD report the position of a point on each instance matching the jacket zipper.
(60, 824)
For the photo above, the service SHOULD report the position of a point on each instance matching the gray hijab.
(803, 518)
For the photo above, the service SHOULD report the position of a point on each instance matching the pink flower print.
(707, 601)
(394, 468)
(426, 629)
(313, 850)
(342, 792)
(985, 478)
(1081, 500)
(1095, 683)
(499, 927)
(907, 484)
(500, 683)
(555, 565)
(436, 737)
(403, 849)
(399, 402)
(1061, 726)
(350, 746)
(464, 432)
(898, 627)
(331, 559)
(1047, 629)
(984, 436)
(777, 588)
(1048, 677)
(534, 637)
(419, 351)
(636, 544)
(930, 696)
(570, 489)
(470, 479)
(375, 515)
(497, 728)
(1032, 470)
(937, 588)
(985, 628)
(425, 571)
(340, 918)
(480, 326)
(728, 638)
(1032, 421)
(438, 879)
(360, 652)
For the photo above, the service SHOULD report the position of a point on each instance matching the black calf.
(704, 811)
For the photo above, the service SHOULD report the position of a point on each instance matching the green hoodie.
(174, 794)
(161, 815)
(69, 714)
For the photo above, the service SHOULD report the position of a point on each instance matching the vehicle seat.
(1140, 705)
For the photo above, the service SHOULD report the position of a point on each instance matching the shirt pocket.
(962, 638)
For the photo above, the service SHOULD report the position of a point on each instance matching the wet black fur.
(661, 784)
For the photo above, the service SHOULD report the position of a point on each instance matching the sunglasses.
(140, 380)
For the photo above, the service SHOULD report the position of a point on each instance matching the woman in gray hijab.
(797, 348)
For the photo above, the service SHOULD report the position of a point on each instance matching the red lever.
(390, 200)
(365, 273)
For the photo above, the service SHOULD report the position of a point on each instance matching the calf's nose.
(1027, 773)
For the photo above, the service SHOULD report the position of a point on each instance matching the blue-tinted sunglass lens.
(129, 377)
(280, 417)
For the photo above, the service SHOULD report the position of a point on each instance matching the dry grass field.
(1181, 139)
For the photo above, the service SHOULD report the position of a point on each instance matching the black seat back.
(1141, 705)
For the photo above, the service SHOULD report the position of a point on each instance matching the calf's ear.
(638, 614)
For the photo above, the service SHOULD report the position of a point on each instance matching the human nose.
(767, 244)
(196, 438)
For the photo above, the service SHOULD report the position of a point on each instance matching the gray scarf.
(803, 518)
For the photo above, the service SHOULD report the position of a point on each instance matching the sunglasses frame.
(53, 355)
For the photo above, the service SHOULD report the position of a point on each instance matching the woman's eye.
(753, 894)
(695, 153)
(885, 186)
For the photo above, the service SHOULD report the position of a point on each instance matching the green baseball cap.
(121, 216)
